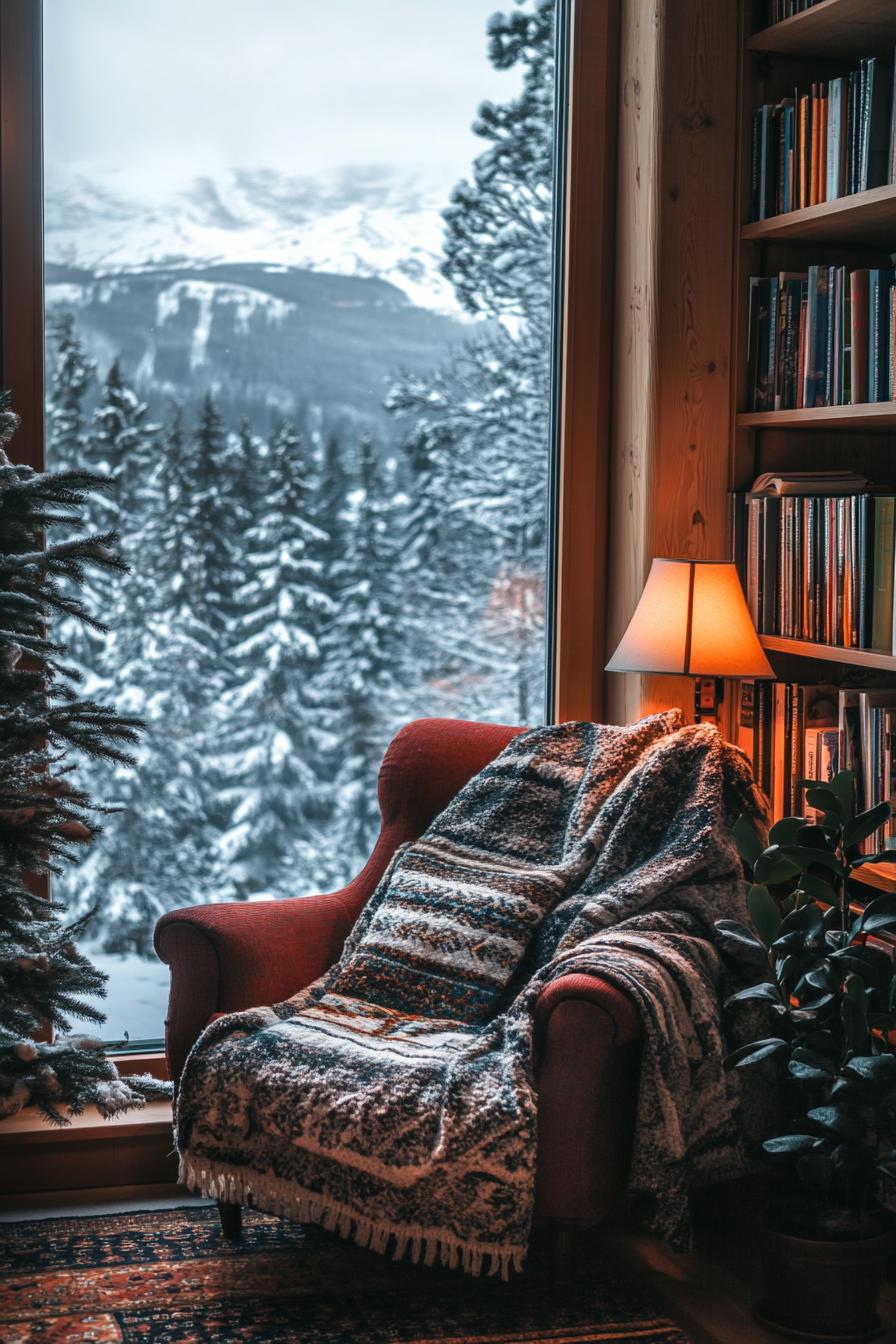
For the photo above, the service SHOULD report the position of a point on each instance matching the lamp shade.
(692, 619)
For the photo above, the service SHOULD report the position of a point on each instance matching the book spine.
(882, 571)
(873, 334)
(858, 285)
(832, 180)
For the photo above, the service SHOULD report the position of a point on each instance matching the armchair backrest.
(428, 762)
(425, 765)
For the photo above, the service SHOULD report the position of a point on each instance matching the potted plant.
(831, 993)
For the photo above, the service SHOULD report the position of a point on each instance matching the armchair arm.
(587, 1058)
(227, 957)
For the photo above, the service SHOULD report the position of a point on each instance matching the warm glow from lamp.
(692, 619)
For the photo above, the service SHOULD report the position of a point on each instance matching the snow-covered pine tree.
(120, 446)
(360, 690)
(481, 502)
(44, 727)
(498, 226)
(71, 375)
(275, 748)
(159, 851)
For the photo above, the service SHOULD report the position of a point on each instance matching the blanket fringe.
(241, 1185)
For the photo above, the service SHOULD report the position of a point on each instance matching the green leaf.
(818, 888)
(807, 856)
(853, 1016)
(873, 965)
(878, 1069)
(836, 1119)
(857, 830)
(756, 1050)
(746, 838)
(807, 1073)
(790, 1143)
(741, 942)
(785, 831)
(764, 913)
(844, 785)
(804, 1055)
(879, 913)
(774, 865)
(767, 992)
(825, 800)
(804, 927)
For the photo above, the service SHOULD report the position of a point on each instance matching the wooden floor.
(709, 1290)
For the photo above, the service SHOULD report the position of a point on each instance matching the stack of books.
(837, 139)
(794, 734)
(816, 554)
(822, 337)
(785, 9)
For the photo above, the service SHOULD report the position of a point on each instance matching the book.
(858, 285)
(816, 553)
(826, 337)
(832, 139)
(834, 482)
(882, 570)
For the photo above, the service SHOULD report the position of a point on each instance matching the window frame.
(585, 207)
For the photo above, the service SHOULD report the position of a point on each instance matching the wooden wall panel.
(21, 225)
(635, 363)
(587, 342)
(675, 270)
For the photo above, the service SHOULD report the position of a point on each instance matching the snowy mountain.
(278, 294)
(359, 222)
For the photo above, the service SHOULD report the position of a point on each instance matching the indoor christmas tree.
(44, 816)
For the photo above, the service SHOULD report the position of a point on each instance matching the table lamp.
(692, 620)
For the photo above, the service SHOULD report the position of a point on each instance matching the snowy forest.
(303, 584)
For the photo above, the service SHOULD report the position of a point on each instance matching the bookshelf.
(875, 415)
(863, 218)
(830, 653)
(835, 28)
(856, 231)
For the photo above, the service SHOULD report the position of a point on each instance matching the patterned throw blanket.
(393, 1100)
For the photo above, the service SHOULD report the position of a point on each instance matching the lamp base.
(708, 693)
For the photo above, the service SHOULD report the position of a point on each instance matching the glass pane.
(298, 287)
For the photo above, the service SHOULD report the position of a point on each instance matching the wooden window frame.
(582, 348)
(583, 355)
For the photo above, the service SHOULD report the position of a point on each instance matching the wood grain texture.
(635, 362)
(587, 342)
(837, 28)
(830, 653)
(675, 279)
(877, 415)
(21, 224)
(868, 217)
(131, 1149)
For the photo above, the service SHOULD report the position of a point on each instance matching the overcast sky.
(165, 89)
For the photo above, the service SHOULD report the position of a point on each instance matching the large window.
(298, 265)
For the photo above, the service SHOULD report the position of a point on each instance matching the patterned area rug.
(167, 1277)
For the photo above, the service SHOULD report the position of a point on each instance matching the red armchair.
(227, 957)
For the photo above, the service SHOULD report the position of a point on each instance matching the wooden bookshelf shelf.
(829, 653)
(866, 217)
(881, 876)
(836, 28)
(879, 415)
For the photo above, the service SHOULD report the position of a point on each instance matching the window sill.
(135, 1148)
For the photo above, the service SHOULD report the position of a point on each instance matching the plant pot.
(822, 1290)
